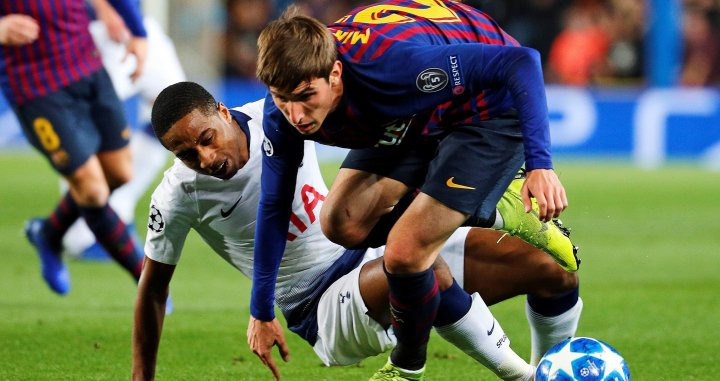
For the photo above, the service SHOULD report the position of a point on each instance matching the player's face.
(211, 145)
(309, 104)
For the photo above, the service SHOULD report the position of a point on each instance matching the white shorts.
(346, 334)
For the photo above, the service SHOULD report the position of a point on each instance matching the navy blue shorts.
(76, 122)
(467, 169)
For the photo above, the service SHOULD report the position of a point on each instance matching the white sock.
(499, 222)
(480, 336)
(546, 331)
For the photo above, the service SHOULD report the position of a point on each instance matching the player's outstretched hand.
(545, 186)
(17, 29)
(138, 47)
(262, 336)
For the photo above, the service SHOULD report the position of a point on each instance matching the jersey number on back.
(433, 10)
(310, 198)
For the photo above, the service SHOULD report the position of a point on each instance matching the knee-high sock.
(547, 329)
(59, 221)
(414, 300)
(478, 334)
(113, 234)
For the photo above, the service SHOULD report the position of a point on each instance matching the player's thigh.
(60, 127)
(371, 181)
(358, 196)
(474, 166)
(346, 333)
(499, 267)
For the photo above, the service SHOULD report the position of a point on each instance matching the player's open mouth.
(222, 170)
(304, 128)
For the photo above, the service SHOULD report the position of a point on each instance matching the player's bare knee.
(93, 194)
(401, 258)
(116, 180)
(442, 274)
(556, 281)
(338, 228)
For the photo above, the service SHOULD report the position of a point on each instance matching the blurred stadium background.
(635, 125)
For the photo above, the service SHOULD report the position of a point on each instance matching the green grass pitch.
(650, 243)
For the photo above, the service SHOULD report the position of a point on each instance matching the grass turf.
(649, 279)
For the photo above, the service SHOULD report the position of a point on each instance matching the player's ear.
(336, 73)
(224, 111)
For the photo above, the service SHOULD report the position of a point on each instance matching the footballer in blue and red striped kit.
(52, 75)
(430, 95)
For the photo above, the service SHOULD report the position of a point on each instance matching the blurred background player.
(162, 68)
(52, 76)
(213, 188)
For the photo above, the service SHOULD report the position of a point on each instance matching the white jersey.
(224, 212)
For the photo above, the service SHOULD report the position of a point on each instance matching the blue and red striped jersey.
(63, 53)
(408, 67)
(369, 33)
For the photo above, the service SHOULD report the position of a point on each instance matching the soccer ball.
(582, 359)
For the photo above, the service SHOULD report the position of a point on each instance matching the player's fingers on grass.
(284, 350)
(270, 363)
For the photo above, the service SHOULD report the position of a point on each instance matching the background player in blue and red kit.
(51, 73)
(430, 95)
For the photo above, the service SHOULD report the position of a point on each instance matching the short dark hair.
(176, 101)
(294, 49)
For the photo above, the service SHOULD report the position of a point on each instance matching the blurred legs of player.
(83, 133)
(162, 68)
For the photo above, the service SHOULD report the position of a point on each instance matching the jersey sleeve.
(282, 155)
(130, 12)
(172, 214)
(429, 75)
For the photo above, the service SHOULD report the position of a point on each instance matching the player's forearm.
(277, 184)
(149, 315)
(131, 14)
(526, 85)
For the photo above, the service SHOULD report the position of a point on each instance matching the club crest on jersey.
(431, 80)
(268, 147)
(156, 222)
(456, 79)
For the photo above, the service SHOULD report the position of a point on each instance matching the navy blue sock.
(414, 301)
(454, 304)
(112, 233)
(59, 221)
(554, 305)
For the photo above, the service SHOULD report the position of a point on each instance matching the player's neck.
(243, 140)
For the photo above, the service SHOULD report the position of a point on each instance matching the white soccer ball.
(582, 359)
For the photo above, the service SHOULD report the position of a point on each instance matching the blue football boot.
(53, 268)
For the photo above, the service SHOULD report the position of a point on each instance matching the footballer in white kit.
(223, 213)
